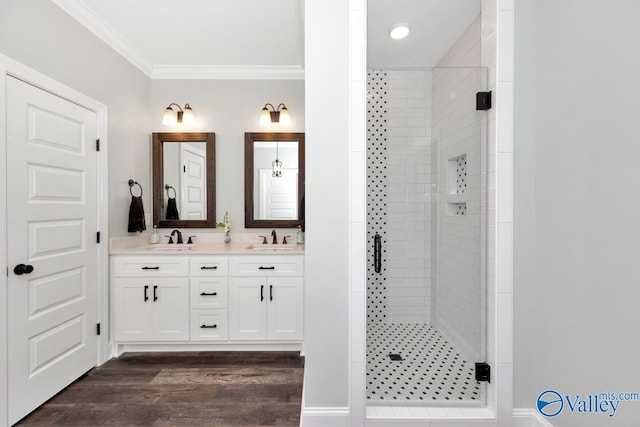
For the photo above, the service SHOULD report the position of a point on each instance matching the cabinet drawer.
(266, 265)
(209, 325)
(209, 292)
(209, 265)
(150, 266)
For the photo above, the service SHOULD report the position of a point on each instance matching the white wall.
(582, 237)
(229, 108)
(40, 35)
(327, 204)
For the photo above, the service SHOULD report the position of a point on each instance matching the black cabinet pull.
(261, 292)
(208, 326)
(205, 294)
(266, 268)
(146, 296)
(377, 253)
(204, 267)
(155, 290)
(151, 268)
(270, 292)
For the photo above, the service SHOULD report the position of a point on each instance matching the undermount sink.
(261, 247)
(170, 248)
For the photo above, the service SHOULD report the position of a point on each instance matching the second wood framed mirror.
(273, 180)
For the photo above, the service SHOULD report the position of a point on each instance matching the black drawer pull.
(205, 294)
(261, 292)
(270, 292)
(146, 296)
(208, 326)
(204, 267)
(151, 268)
(155, 292)
(266, 268)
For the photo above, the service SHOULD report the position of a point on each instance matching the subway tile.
(358, 51)
(506, 46)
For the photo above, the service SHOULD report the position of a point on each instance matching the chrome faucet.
(275, 238)
(179, 241)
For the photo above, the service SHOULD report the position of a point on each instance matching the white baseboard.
(323, 417)
(525, 417)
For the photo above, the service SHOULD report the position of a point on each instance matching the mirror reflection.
(274, 179)
(184, 179)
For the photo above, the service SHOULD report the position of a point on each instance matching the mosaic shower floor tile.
(431, 371)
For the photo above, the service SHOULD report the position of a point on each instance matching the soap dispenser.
(155, 236)
(300, 236)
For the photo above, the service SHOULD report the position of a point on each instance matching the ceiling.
(257, 38)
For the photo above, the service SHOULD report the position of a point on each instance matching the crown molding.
(86, 17)
(228, 72)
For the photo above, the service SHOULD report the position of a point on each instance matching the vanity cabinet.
(151, 298)
(266, 298)
(250, 300)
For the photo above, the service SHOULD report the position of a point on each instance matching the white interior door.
(194, 201)
(52, 218)
(279, 195)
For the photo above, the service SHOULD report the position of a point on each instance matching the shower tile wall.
(459, 263)
(399, 193)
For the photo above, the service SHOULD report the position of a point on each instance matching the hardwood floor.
(182, 389)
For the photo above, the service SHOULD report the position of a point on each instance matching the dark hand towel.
(136, 215)
(172, 209)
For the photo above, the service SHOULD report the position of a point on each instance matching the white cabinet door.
(284, 312)
(170, 309)
(133, 312)
(247, 308)
(151, 309)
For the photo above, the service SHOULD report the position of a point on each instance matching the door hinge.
(483, 100)
(97, 328)
(483, 372)
(97, 145)
(98, 237)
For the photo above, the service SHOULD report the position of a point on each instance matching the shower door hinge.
(97, 145)
(97, 328)
(98, 237)
(483, 372)
(483, 100)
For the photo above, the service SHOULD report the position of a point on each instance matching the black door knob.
(22, 269)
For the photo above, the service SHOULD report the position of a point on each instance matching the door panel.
(284, 315)
(52, 217)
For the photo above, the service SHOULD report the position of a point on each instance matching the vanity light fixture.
(274, 115)
(171, 117)
(400, 31)
(276, 165)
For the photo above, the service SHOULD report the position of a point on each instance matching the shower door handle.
(377, 253)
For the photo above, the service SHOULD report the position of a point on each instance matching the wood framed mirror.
(184, 179)
(272, 199)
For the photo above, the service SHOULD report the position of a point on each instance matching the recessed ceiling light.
(400, 31)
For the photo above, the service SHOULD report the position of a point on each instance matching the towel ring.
(168, 187)
(131, 184)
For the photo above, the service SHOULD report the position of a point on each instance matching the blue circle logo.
(550, 403)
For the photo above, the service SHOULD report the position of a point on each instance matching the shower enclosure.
(426, 232)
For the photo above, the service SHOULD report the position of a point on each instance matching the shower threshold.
(431, 371)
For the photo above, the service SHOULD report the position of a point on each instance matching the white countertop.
(138, 246)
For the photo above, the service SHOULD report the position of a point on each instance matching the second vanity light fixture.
(274, 115)
(172, 117)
